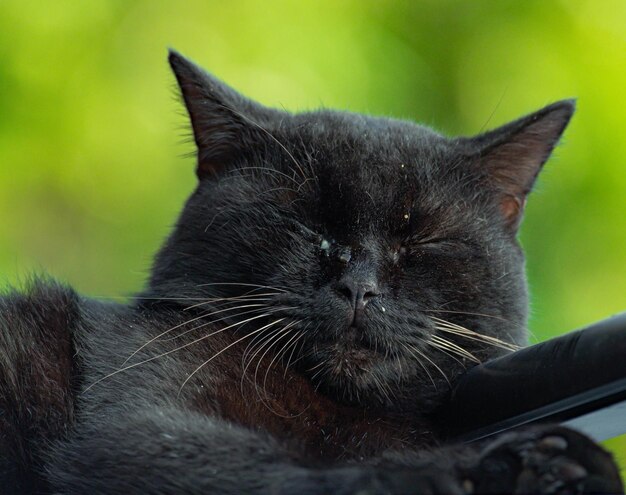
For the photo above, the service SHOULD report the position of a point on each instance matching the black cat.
(328, 279)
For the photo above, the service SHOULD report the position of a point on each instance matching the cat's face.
(376, 256)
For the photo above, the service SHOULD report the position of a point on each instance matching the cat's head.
(376, 255)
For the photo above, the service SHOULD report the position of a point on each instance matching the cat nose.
(358, 291)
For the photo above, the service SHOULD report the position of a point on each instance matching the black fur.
(301, 323)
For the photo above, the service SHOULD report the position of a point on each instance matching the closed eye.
(398, 253)
(436, 243)
(299, 226)
(432, 240)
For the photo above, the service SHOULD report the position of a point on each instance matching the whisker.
(257, 348)
(469, 313)
(453, 328)
(480, 338)
(465, 313)
(316, 366)
(251, 297)
(317, 373)
(224, 349)
(295, 346)
(145, 298)
(178, 326)
(452, 347)
(280, 351)
(249, 349)
(244, 285)
(270, 310)
(279, 335)
(125, 368)
(446, 351)
(413, 354)
(420, 353)
(384, 388)
(283, 332)
(224, 318)
(272, 341)
(252, 344)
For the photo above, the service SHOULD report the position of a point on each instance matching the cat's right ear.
(226, 125)
(511, 156)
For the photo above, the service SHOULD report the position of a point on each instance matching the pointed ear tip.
(175, 59)
(564, 107)
(184, 69)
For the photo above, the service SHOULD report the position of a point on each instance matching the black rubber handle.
(556, 380)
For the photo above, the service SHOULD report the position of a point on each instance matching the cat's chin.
(352, 370)
(351, 355)
(350, 362)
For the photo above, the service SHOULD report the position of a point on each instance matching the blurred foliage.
(93, 143)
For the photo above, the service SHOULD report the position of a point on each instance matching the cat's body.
(327, 280)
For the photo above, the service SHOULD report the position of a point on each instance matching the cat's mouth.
(351, 368)
(351, 353)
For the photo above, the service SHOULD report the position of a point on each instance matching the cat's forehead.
(352, 137)
(343, 142)
(370, 172)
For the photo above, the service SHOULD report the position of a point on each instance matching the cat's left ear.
(226, 125)
(511, 156)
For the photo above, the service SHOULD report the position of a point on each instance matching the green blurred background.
(93, 165)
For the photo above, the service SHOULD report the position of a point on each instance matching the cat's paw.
(546, 459)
